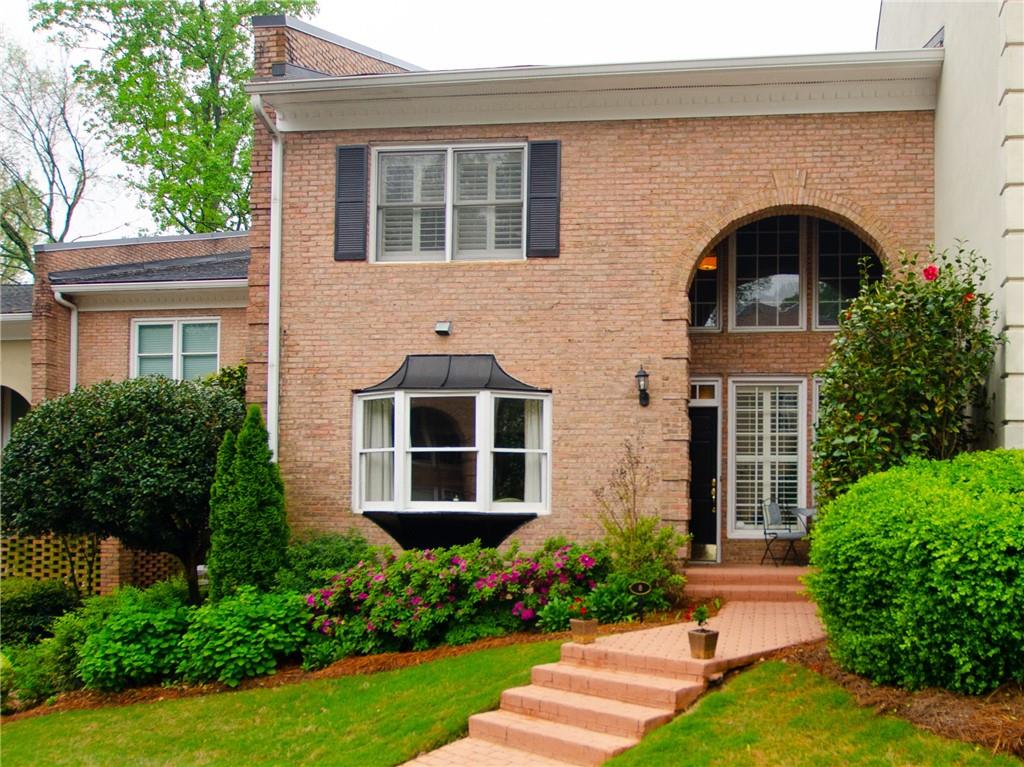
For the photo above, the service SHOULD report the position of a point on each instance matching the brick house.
(454, 279)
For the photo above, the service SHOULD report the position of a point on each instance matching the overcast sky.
(458, 34)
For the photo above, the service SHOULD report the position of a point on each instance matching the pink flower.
(378, 577)
(586, 561)
(415, 601)
(931, 272)
(527, 614)
(311, 600)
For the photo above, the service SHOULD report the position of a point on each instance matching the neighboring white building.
(979, 158)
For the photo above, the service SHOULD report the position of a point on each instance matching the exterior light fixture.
(709, 263)
(443, 328)
(642, 377)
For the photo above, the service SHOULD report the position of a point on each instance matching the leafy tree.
(249, 532)
(47, 159)
(169, 83)
(133, 460)
(910, 360)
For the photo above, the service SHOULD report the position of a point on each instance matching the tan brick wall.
(105, 339)
(641, 201)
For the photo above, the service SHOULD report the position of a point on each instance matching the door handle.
(714, 492)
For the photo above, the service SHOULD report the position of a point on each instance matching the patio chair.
(777, 530)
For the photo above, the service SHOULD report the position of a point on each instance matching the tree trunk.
(190, 559)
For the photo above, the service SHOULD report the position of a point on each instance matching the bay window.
(452, 451)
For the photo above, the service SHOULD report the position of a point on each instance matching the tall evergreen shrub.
(248, 529)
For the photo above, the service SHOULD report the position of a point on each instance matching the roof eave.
(73, 288)
(871, 65)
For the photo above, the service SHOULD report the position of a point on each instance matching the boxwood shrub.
(919, 573)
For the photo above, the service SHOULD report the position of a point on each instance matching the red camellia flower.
(968, 298)
(931, 272)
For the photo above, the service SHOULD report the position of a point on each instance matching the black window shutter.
(542, 205)
(350, 204)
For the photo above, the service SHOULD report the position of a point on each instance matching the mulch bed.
(994, 721)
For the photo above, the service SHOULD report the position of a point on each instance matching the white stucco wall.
(16, 366)
(979, 159)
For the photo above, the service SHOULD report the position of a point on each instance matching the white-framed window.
(182, 349)
(839, 256)
(766, 282)
(767, 449)
(449, 203)
(452, 451)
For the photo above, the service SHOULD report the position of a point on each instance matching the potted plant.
(584, 629)
(703, 641)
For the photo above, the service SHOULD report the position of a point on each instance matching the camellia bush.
(918, 573)
(133, 460)
(906, 374)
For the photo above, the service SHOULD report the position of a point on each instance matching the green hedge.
(920, 573)
(28, 608)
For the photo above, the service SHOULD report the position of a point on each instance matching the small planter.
(703, 643)
(584, 630)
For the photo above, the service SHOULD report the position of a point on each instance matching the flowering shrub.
(422, 598)
(911, 357)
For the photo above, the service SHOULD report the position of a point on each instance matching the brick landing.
(600, 699)
(747, 583)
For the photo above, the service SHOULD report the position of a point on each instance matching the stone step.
(631, 687)
(553, 740)
(604, 656)
(587, 711)
(747, 592)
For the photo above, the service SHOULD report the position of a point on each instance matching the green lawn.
(784, 714)
(774, 714)
(362, 721)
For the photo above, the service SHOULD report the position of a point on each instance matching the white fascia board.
(864, 82)
(131, 296)
(16, 317)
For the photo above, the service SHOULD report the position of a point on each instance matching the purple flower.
(326, 594)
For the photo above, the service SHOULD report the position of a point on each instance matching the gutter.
(115, 287)
(274, 288)
(73, 374)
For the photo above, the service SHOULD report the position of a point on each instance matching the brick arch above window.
(780, 199)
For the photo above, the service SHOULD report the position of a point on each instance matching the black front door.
(704, 483)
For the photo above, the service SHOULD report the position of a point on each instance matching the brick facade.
(641, 202)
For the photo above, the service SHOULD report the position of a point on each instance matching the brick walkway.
(600, 699)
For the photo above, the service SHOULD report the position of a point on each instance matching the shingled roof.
(16, 299)
(220, 266)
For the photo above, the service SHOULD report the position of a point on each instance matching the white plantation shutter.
(411, 206)
(488, 203)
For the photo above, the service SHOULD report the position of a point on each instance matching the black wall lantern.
(642, 377)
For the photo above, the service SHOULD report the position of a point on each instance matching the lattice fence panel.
(43, 558)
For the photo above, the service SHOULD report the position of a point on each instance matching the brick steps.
(564, 742)
(756, 584)
(631, 687)
(600, 699)
(630, 720)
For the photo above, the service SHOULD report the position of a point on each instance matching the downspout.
(274, 298)
(73, 372)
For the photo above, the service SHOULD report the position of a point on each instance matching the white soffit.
(209, 294)
(857, 82)
(16, 327)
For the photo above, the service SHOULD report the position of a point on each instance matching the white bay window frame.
(484, 401)
(741, 531)
(450, 204)
(177, 355)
